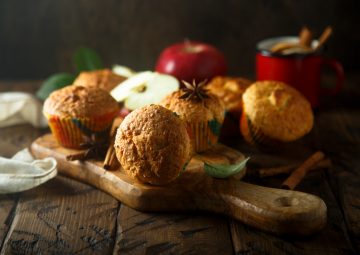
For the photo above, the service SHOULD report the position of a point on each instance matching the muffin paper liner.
(71, 132)
(203, 134)
(253, 135)
(230, 126)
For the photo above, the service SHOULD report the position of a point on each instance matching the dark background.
(38, 37)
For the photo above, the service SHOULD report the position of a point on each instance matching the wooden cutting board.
(274, 210)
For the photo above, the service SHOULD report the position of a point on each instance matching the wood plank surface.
(339, 135)
(8, 204)
(158, 233)
(63, 217)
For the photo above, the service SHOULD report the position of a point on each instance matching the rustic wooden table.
(64, 216)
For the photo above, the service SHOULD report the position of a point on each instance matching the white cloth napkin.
(19, 108)
(23, 172)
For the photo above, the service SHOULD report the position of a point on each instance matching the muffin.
(104, 79)
(202, 112)
(75, 113)
(273, 113)
(230, 91)
(152, 145)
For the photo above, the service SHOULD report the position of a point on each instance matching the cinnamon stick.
(324, 37)
(111, 162)
(295, 178)
(287, 169)
(76, 156)
(305, 37)
(268, 172)
(281, 46)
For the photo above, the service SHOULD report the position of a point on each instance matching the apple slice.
(123, 71)
(145, 88)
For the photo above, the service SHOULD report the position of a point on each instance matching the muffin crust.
(278, 110)
(229, 90)
(79, 101)
(152, 145)
(104, 79)
(194, 111)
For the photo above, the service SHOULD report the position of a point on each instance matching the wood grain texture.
(63, 217)
(150, 233)
(343, 126)
(8, 205)
(273, 210)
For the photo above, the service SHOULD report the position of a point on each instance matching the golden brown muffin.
(77, 112)
(274, 111)
(80, 101)
(229, 90)
(152, 145)
(203, 117)
(104, 79)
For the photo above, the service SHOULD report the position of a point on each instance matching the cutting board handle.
(274, 210)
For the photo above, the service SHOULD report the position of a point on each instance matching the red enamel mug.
(300, 70)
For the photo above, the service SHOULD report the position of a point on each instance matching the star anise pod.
(194, 91)
(94, 147)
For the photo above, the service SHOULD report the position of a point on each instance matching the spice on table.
(295, 178)
(94, 148)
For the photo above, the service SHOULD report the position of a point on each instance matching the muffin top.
(152, 145)
(229, 90)
(104, 79)
(279, 110)
(195, 110)
(79, 101)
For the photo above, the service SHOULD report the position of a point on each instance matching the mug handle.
(340, 77)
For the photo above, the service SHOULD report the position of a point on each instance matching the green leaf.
(86, 59)
(54, 82)
(224, 171)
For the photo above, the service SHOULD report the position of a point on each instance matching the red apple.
(191, 60)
